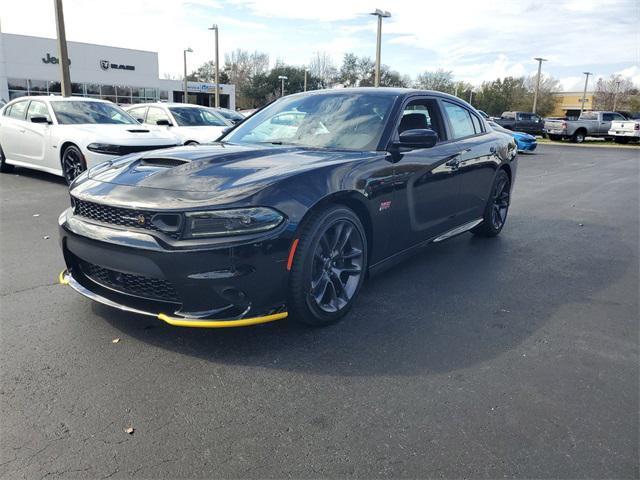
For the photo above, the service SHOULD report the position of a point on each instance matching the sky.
(476, 40)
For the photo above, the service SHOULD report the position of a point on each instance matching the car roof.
(60, 98)
(166, 104)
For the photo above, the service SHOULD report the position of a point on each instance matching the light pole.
(471, 97)
(535, 95)
(282, 78)
(380, 14)
(305, 79)
(215, 29)
(186, 94)
(65, 84)
(584, 94)
(615, 95)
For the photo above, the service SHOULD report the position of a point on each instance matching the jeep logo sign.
(52, 60)
(106, 65)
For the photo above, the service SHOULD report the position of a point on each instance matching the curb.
(586, 145)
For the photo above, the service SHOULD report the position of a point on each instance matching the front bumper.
(527, 146)
(208, 286)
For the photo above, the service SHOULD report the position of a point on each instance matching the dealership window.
(37, 86)
(93, 89)
(54, 87)
(77, 89)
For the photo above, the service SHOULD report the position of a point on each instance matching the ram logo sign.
(106, 65)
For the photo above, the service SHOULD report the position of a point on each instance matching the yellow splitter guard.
(65, 278)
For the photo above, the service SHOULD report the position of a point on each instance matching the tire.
(73, 163)
(329, 266)
(621, 140)
(4, 166)
(555, 138)
(497, 207)
(578, 137)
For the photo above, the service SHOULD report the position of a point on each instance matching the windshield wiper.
(279, 142)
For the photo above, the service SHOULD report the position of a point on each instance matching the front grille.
(138, 285)
(117, 216)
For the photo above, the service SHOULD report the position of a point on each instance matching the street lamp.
(615, 95)
(535, 95)
(380, 14)
(217, 96)
(282, 78)
(184, 52)
(306, 70)
(584, 94)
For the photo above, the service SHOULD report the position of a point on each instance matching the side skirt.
(396, 258)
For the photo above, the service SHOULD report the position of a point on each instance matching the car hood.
(197, 175)
(123, 134)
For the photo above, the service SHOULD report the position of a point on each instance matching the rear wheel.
(328, 268)
(4, 166)
(495, 212)
(578, 137)
(73, 163)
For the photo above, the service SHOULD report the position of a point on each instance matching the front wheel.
(495, 212)
(73, 163)
(328, 268)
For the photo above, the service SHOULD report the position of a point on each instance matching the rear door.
(476, 163)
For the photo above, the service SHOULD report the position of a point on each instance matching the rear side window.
(138, 113)
(476, 124)
(18, 110)
(460, 120)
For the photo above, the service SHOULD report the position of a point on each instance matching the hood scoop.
(138, 130)
(162, 162)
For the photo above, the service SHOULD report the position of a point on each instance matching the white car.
(67, 135)
(192, 124)
(625, 131)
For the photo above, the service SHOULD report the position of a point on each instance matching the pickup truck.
(521, 122)
(590, 124)
(625, 131)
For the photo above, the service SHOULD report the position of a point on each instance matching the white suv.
(67, 135)
(192, 124)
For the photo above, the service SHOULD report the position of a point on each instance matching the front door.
(425, 179)
(36, 136)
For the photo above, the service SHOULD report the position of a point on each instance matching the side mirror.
(418, 138)
(225, 130)
(139, 120)
(165, 123)
(40, 119)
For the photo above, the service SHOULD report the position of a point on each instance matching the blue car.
(525, 142)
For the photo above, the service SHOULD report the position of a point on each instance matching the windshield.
(196, 117)
(353, 121)
(68, 112)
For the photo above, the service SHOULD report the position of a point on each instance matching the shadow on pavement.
(454, 305)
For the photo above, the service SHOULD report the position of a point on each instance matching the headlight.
(104, 148)
(219, 223)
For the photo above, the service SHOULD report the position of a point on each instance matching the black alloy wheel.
(73, 163)
(497, 208)
(578, 137)
(4, 166)
(329, 267)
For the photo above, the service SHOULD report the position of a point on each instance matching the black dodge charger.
(289, 211)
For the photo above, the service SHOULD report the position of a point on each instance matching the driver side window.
(422, 114)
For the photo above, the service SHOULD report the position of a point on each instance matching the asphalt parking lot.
(516, 356)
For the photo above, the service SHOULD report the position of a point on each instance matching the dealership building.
(29, 66)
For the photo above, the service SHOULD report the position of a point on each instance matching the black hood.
(214, 174)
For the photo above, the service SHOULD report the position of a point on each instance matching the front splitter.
(65, 278)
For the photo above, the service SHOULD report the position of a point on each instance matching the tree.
(321, 67)
(546, 100)
(440, 81)
(241, 67)
(350, 74)
(360, 72)
(265, 87)
(608, 89)
(501, 95)
(206, 73)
